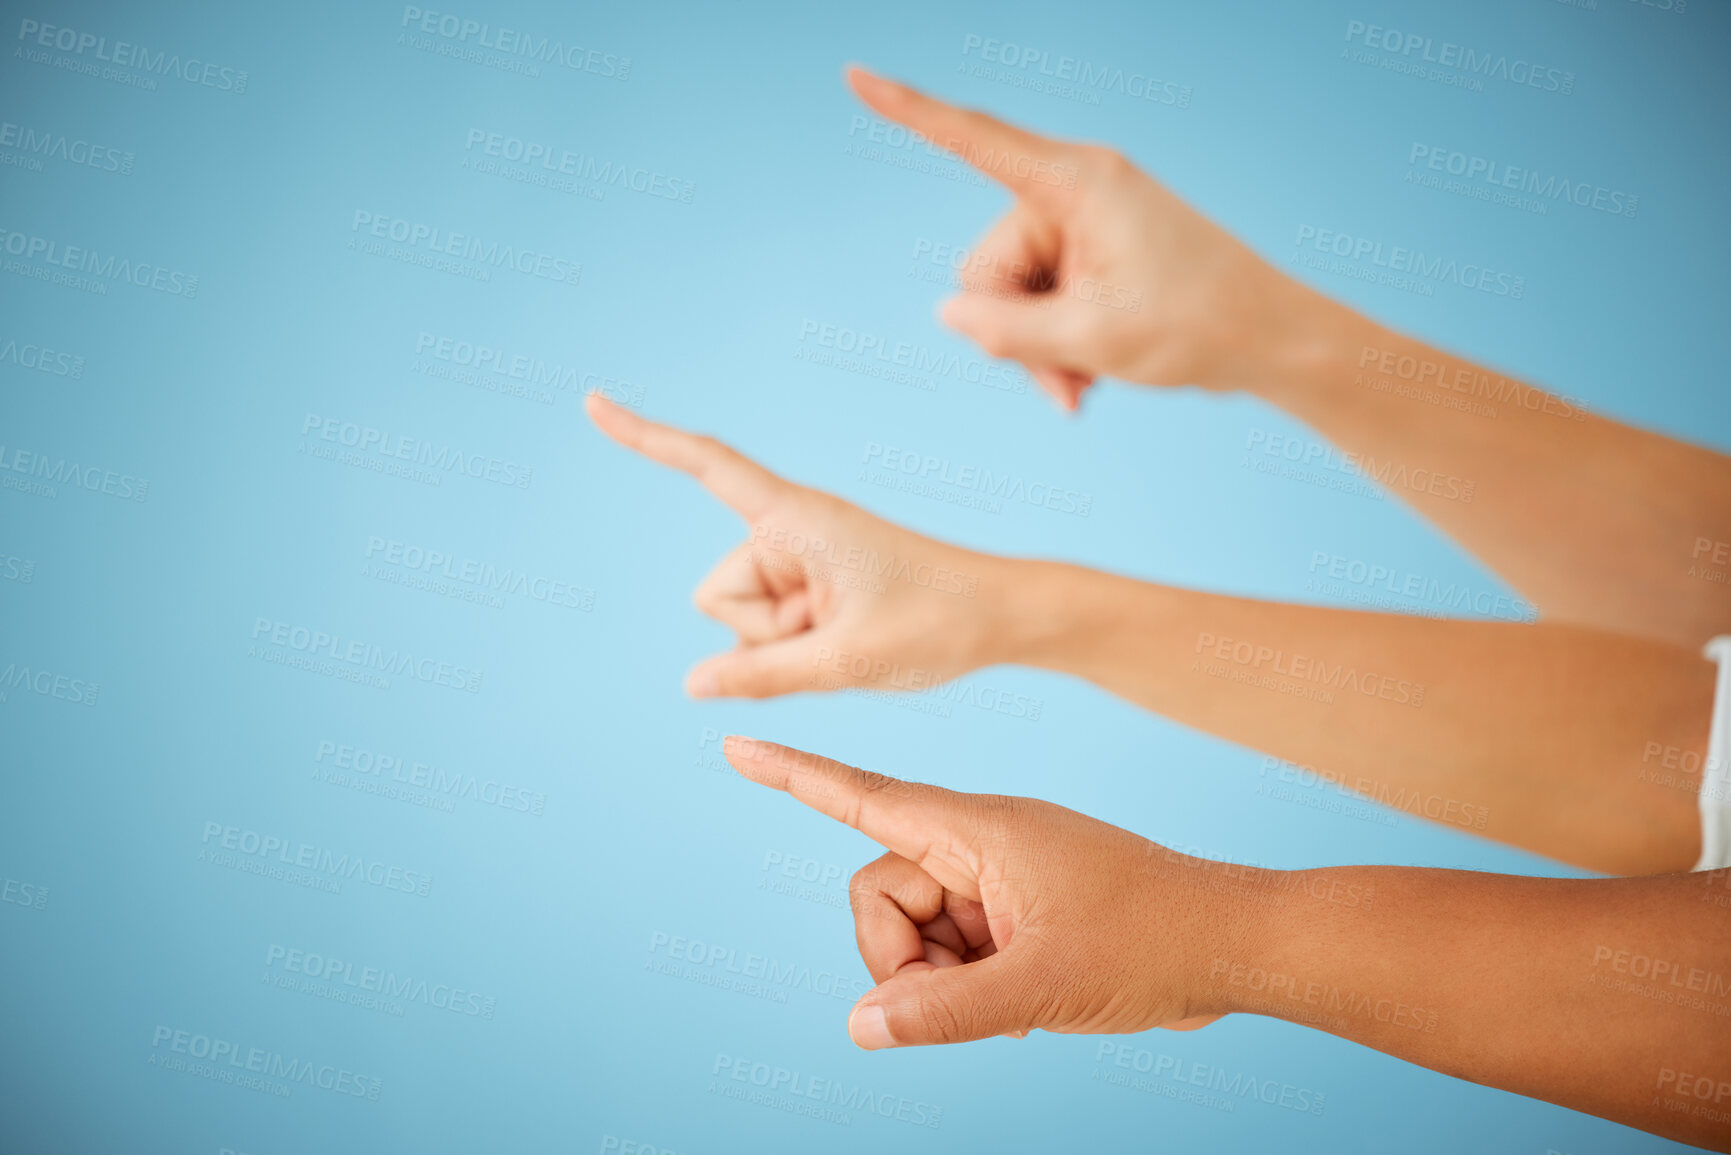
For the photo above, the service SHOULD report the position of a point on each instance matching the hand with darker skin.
(992, 915)
(996, 915)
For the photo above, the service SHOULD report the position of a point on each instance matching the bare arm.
(1531, 734)
(1099, 270)
(1541, 736)
(995, 916)
(1609, 996)
(1595, 522)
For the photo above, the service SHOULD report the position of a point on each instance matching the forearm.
(1530, 734)
(1595, 522)
(1608, 996)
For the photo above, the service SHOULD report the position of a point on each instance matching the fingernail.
(869, 1029)
(702, 684)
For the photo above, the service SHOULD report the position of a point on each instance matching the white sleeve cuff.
(1715, 797)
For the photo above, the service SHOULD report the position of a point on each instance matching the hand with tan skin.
(1538, 736)
(993, 915)
(821, 593)
(1595, 522)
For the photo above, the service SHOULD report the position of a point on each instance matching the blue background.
(564, 917)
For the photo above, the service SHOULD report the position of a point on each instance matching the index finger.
(737, 480)
(1026, 163)
(924, 824)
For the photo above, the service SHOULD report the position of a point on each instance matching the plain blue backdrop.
(564, 923)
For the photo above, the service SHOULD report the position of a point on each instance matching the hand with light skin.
(1097, 269)
(992, 915)
(1538, 736)
(1596, 522)
(821, 594)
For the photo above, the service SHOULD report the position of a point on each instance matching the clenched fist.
(993, 915)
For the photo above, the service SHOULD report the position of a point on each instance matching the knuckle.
(1106, 162)
(943, 1016)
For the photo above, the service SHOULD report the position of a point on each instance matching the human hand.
(823, 595)
(1097, 270)
(993, 915)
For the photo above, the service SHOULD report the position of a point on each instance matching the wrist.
(1242, 936)
(1029, 610)
(1306, 346)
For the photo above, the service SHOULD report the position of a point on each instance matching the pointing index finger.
(924, 824)
(1029, 165)
(737, 480)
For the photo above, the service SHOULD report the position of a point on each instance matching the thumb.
(765, 671)
(951, 1004)
(1029, 329)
